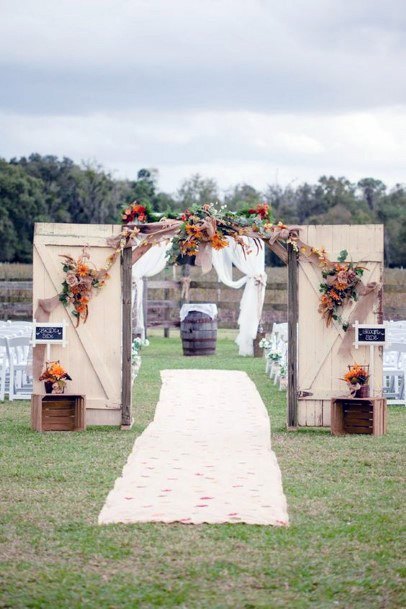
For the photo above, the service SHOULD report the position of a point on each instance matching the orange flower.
(138, 209)
(261, 210)
(56, 369)
(356, 374)
(218, 242)
(55, 372)
(326, 300)
(334, 295)
(188, 248)
(194, 231)
(135, 212)
(82, 269)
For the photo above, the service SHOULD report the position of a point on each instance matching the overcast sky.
(254, 91)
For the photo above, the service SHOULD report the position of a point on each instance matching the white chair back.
(20, 385)
(3, 366)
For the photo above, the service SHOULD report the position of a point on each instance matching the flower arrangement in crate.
(357, 380)
(54, 377)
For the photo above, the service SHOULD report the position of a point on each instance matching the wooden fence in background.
(164, 298)
(164, 311)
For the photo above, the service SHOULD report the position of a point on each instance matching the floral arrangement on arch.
(81, 281)
(139, 212)
(209, 226)
(339, 287)
(203, 227)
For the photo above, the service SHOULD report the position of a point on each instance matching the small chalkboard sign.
(46, 333)
(369, 334)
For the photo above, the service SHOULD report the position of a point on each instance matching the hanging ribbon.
(185, 293)
(260, 283)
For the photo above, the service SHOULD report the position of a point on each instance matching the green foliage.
(342, 256)
(242, 196)
(197, 191)
(21, 204)
(46, 188)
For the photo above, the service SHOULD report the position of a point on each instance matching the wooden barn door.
(320, 366)
(93, 356)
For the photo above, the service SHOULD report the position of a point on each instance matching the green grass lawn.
(343, 548)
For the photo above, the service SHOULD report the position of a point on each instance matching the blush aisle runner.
(206, 457)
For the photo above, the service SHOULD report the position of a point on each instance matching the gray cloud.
(78, 57)
(241, 89)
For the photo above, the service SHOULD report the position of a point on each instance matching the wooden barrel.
(199, 334)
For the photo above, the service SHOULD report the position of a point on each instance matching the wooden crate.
(358, 415)
(63, 412)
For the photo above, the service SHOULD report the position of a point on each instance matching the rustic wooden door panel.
(320, 366)
(93, 353)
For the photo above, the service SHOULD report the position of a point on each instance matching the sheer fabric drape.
(151, 263)
(253, 266)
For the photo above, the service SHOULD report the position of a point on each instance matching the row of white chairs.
(394, 362)
(394, 359)
(15, 360)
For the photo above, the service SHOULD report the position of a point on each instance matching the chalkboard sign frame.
(61, 326)
(368, 343)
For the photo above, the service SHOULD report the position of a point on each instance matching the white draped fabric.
(151, 263)
(253, 266)
(207, 308)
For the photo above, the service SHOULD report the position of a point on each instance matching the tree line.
(49, 189)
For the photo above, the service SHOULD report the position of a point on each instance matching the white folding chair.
(394, 372)
(282, 363)
(20, 386)
(271, 342)
(3, 366)
(10, 332)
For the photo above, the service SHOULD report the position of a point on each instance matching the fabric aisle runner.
(206, 457)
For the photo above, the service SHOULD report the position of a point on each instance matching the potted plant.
(54, 377)
(357, 380)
